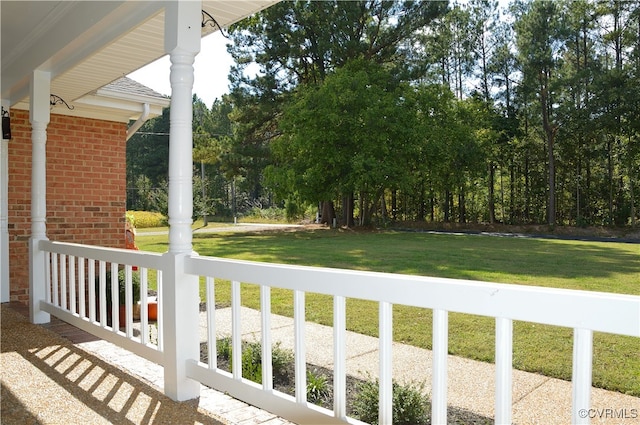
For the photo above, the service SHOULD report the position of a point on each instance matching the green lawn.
(608, 267)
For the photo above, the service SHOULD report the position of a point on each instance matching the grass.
(594, 266)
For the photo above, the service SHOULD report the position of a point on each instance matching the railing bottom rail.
(107, 334)
(275, 402)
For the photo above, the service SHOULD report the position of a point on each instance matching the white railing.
(583, 311)
(78, 289)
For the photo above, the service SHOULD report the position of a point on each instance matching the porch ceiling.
(86, 45)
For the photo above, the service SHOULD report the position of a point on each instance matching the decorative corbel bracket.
(208, 19)
(57, 100)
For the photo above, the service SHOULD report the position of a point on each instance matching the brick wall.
(86, 187)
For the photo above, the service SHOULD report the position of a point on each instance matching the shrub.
(252, 358)
(224, 348)
(142, 219)
(317, 387)
(135, 283)
(266, 215)
(281, 359)
(252, 362)
(410, 407)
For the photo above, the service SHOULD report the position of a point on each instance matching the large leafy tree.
(351, 134)
(296, 44)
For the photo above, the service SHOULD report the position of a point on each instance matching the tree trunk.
(633, 202)
(447, 206)
(610, 176)
(492, 206)
(394, 204)
(550, 134)
(383, 207)
(462, 210)
(328, 213)
(527, 191)
(347, 210)
(512, 190)
(421, 202)
(432, 207)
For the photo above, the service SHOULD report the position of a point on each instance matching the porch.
(56, 373)
(471, 389)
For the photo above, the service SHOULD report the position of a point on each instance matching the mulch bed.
(285, 383)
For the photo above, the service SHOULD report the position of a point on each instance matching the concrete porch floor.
(58, 374)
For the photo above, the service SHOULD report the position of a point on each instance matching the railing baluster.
(102, 293)
(211, 323)
(504, 366)
(63, 281)
(114, 287)
(128, 296)
(72, 284)
(159, 322)
(47, 277)
(54, 281)
(440, 351)
(82, 288)
(236, 331)
(299, 344)
(339, 357)
(582, 374)
(385, 412)
(265, 312)
(144, 306)
(92, 290)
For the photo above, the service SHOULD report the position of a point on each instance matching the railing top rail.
(598, 311)
(146, 259)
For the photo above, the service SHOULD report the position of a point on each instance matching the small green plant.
(281, 359)
(317, 387)
(252, 362)
(135, 283)
(252, 358)
(410, 407)
(224, 348)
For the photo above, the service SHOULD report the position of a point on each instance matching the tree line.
(375, 111)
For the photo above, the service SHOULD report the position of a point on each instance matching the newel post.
(39, 115)
(180, 291)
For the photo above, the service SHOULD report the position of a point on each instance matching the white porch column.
(180, 291)
(39, 117)
(4, 215)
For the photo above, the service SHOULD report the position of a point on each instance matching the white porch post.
(39, 117)
(180, 291)
(4, 215)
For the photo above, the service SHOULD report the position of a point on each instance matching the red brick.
(83, 155)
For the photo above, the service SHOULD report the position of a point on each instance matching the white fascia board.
(119, 107)
(108, 108)
(132, 97)
(125, 102)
